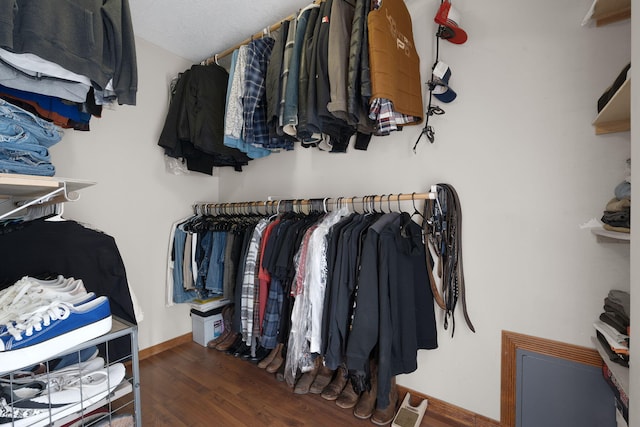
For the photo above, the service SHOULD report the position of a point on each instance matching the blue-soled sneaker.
(51, 330)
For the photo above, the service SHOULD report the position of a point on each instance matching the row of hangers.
(365, 204)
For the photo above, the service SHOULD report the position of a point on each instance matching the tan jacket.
(395, 65)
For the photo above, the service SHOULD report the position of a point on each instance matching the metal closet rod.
(266, 30)
(275, 205)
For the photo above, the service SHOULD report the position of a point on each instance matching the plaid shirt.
(250, 278)
(386, 118)
(254, 99)
(272, 313)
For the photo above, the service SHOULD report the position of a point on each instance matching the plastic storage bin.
(206, 326)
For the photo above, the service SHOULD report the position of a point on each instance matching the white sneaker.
(29, 296)
(77, 393)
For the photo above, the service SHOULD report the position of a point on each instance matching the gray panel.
(554, 392)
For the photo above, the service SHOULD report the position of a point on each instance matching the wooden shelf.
(27, 190)
(609, 11)
(15, 185)
(601, 232)
(616, 115)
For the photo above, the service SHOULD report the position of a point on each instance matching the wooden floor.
(191, 385)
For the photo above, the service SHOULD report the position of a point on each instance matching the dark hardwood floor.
(191, 385)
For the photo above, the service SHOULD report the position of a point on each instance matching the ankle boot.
(367, 402)
(228, 342)
(227, 316)
(383, 416)
(322, 380)
(277, 361)
(348, 398)
(335, 387)
(304, 383)
(267, 360)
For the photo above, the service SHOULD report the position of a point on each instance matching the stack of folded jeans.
(24, 141)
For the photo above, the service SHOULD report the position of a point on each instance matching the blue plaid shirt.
(254, 99)
(271, 322)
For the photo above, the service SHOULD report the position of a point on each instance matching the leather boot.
(228, 342)
(304, 383)
(277, 361)
(367, 402)
(322, 379)
(227, 315)
(348, 398)
(267, 360)
(335, 387)
(383, 416)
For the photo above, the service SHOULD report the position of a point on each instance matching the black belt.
(442, 225)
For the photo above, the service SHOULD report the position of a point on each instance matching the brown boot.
(367, 402)
(277, 361)
(267, 360)
(227, 314)
(383, 416)
(304, 383)
(228, 342)
(335, 387)
(322, 380)
(348, 398)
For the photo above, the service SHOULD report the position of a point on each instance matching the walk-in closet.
(318, 212)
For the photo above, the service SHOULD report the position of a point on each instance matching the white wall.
(135, 200)
(519, 147)
(517, 144)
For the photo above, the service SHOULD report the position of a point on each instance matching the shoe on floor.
(322, 380)
(335, 387)
(383, 416)
(348, 398)
(272, 354)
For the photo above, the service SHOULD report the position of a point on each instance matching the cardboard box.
(206, 326)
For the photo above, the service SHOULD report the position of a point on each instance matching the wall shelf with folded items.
(18, 192)
(616, 235)
(616, 115)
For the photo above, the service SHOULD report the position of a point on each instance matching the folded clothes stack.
(25, 140)
(612, 328)
(617, 213)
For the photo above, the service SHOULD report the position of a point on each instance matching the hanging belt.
(442, 225)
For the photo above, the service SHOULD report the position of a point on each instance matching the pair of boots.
(315, 380)
(227, 338)
(273, 361)
(341, 390)
(365, 404)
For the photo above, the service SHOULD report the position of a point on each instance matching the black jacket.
(194, 127)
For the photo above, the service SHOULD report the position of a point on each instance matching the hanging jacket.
(358, 78)
(338, 63)
(303, 79)
(337, 129)
(394, 61)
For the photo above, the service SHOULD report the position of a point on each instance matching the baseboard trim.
(454, 414)
(163, 346)
(444, 410)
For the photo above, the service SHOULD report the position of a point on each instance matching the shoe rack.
(123, 400)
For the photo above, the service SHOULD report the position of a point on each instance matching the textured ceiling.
(198, 29)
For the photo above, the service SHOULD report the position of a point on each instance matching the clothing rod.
(273, 27)
(384, 198)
